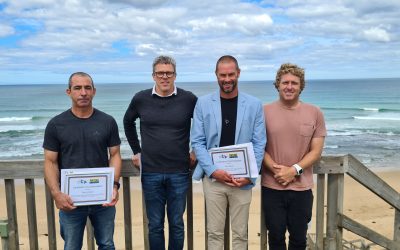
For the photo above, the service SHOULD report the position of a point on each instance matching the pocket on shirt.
(306, 130)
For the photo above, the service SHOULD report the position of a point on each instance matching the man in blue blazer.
(225, 118)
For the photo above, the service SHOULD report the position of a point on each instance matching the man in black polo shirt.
(82, 137)
(165, 113)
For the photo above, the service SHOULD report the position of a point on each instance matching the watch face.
(300, 171)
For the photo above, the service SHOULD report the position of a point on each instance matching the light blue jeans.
(72, 225)
(160, 190)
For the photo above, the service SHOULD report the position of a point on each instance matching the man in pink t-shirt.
(296, 133)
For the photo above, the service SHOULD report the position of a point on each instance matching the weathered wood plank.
(33, 169)
(311, 245)
(126, 188)
(370, 180)
(227, 232)
(12, 215)
(339, 230)
(128, 169)
(366, 233)
(331, 221)
(319, 238)
(396, 231)
(31, 211)
(29, 169)
(329, 165)
(51, 224)
(90, 235)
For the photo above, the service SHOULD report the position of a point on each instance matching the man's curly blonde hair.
(292, 69)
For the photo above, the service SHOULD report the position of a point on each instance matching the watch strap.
(299, 169)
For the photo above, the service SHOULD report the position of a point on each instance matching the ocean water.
(362, 115)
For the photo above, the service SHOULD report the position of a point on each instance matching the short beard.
(234, 85)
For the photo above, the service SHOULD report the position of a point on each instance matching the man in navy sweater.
(165, 114)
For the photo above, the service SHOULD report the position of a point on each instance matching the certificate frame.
(88, 186)
(234, 160)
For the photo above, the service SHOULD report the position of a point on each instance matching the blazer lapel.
(241, 109)
(216, 109)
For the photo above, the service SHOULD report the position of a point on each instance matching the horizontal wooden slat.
(330, 165)
(32, 169)
(28, 169)
(370, 180)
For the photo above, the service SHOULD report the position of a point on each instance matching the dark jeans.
(72, 225)
(287, 210)
(162, 190)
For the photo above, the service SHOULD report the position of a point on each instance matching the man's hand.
(136, 160)
(63, 202)
(115, 198)
(283, 174)
(241, 182)
(193, 160)
(222, 176)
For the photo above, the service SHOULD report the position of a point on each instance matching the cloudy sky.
(43, 41)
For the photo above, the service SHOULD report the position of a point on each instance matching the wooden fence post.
(319, 237)
(31, 210)
(127, 212)
(51, 224)
(331, 226)
(12, 215)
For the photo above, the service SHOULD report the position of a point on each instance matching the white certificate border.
(240, 149)
(67, 174)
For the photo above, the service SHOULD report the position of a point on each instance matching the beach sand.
(359, 204)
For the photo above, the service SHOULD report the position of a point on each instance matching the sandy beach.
(359, 204)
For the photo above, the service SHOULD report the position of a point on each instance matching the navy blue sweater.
(164, 130)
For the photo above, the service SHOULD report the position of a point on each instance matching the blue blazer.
(206, 130)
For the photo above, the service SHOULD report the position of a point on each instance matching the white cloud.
(6, 30)
(246, 24)
(376, 35)
(139, 3)
(113, 36)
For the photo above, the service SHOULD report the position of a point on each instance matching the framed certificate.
(88, 186)
(238, 160)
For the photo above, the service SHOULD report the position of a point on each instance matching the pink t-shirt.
(289, 134)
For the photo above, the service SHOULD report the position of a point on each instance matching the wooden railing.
(335, 168)
(329, 237)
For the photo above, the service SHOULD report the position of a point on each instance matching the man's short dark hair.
(227, 58)
(79, 74)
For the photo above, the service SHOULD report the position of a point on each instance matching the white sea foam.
(9, 128)
(15, 119)
(370, 109)
(331, 146)
(377, 118)
(344, 133)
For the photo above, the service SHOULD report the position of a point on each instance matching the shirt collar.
(153, 92)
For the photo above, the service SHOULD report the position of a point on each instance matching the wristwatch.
(299, 170)
(116, 183)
